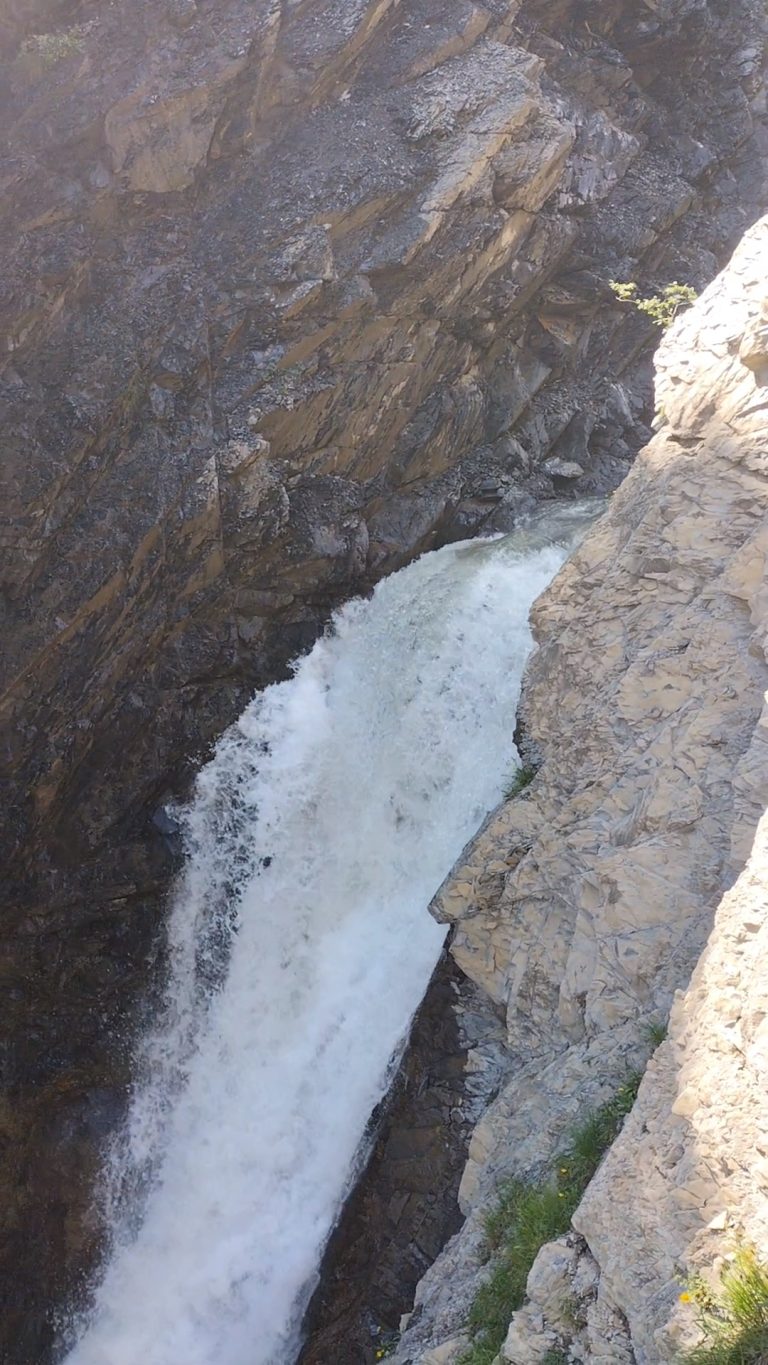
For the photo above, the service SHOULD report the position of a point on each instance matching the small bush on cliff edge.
(734, 1322)
(661, 308)
(526, 1216)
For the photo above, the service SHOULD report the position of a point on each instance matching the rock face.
(585, 904)
(293, 291)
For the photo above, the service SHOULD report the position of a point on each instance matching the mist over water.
(300, 947)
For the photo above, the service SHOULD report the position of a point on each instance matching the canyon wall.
(292, 292)
(636, 857)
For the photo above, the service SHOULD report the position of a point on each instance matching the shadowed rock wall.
(404, 1207)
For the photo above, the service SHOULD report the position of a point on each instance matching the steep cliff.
(292, 291)
(637, 852)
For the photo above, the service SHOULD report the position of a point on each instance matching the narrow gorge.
(298, 291)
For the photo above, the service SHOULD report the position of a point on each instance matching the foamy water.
(301, 946)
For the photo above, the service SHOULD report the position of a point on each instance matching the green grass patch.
(527, 1215)
(521, 778)
(657, 1032)
(735, 1321)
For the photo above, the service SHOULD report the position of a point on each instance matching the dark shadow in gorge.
(404, 1207)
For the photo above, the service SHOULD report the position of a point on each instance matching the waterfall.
(300, 946)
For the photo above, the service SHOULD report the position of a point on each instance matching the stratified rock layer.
(292, 291)
(585, 904)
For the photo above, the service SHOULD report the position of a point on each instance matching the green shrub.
(527, 1215)
(661, 308)
(734, 1323)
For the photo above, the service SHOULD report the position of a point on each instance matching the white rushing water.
(318, 833)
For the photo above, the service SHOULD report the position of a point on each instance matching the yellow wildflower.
(685, 1298)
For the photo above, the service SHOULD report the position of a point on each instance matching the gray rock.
(562, 469)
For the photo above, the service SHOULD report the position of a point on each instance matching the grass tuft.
(528, 1215)
(735, 1322)
(521, 778)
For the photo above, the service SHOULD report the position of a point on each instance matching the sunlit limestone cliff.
(636, 857)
